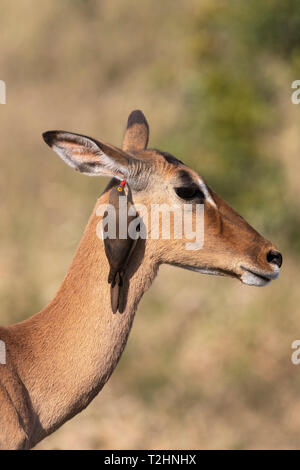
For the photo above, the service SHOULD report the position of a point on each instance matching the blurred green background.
(208, 363)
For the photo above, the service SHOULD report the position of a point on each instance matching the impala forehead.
(183, 175)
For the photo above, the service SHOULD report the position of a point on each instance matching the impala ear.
(90, 156)
(137, 132)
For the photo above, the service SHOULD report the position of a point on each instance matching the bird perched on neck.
(118, 250)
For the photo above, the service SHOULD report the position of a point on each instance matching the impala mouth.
(258, 278)
(250, 277)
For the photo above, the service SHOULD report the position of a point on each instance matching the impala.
(59, 359)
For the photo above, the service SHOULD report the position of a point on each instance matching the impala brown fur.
(59, 359)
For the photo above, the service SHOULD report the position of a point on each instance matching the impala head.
(231, 246)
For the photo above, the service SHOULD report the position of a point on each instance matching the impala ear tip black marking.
(137, 117)
(51, 137)
(48, 137)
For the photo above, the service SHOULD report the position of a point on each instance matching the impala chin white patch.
(252, 279)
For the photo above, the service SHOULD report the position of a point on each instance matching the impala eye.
(189, 192)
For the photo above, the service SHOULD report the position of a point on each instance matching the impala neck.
(69, 349)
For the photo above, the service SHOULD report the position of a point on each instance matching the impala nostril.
(274, 257)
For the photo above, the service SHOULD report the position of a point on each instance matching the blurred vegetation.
(208, 361)
(232, 104)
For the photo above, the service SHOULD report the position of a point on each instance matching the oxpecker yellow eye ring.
(119, 188)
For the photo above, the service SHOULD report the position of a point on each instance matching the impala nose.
(274, 257)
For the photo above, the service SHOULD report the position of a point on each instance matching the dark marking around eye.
(189, 192)
(185, 179)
